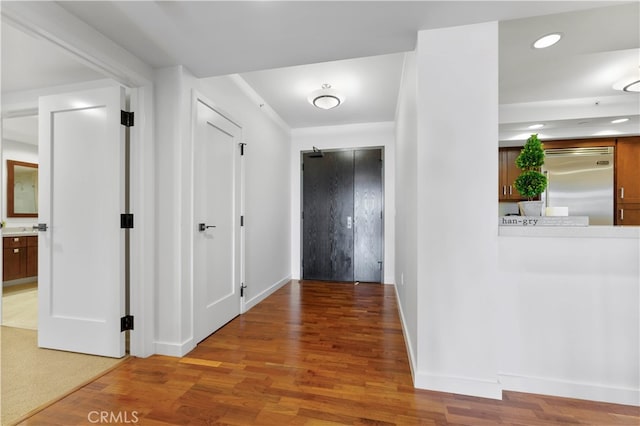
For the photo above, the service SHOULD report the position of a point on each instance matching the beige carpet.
(20, 306)
(32, 377)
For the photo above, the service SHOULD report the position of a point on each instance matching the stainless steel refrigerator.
(582, 180)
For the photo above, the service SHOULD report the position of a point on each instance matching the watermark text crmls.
(112, 417)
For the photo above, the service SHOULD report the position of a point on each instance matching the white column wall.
(339, 137)
(169, 336)
(457, 97)
(406, 219)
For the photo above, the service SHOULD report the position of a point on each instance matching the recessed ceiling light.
(525, 136)
(619, 120)
(548, 40)
(536, 126)
(606, 133)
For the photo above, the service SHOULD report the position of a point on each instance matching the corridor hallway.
(311, 353)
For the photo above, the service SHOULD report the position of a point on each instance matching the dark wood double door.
(342, 216)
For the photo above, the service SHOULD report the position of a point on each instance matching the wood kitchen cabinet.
(19, 257)
(627, 178)
(508, 172)
(32, 256)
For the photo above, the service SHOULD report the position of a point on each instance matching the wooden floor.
(311, 354)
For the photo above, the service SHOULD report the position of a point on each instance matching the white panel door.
(81, 256)
(216, 243)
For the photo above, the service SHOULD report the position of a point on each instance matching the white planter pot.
(530, 208)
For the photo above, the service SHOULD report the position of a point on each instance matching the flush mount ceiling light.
(536, 126)
(632, 87)
(325, 98)
(547, 40)
(629, 83)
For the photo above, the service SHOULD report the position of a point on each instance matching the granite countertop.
(19, 232)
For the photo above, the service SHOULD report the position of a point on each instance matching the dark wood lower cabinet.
(19, 257)
(32, 256)
(14, 263)
(628, 215)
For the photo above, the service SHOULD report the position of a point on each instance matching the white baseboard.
(407, 338)
(174, 349)
(181, 349)
(265, 293)
(588, 391)
(459, 385)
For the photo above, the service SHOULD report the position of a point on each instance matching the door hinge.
(242, 144)
(302, 215)
(242, 287)
(126, 221)
(126, 323)
(241, 220)
(126, 118)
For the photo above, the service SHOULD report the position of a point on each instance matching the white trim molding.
(566, 389)
(174, 349)
(250, 303)
(407, 337)
(460, 385)
(49, 21)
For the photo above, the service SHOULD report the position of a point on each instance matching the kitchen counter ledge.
(632, 232)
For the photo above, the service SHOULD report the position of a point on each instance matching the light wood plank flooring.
(311, 354)
(20, 306)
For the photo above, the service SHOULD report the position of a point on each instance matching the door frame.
(196, 97)
(301, 205)
(52, 24)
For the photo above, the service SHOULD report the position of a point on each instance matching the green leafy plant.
(531, 183)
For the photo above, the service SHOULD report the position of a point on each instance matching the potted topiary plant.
(531, 182)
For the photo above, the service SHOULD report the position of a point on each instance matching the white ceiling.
(29, 63)
(242, 36)
(370, 86)
(271, 44)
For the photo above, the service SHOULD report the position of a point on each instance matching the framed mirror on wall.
(22, 189)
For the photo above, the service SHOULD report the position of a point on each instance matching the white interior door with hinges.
(216, 242)
(81, 197)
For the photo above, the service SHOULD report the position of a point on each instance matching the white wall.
(406, 208)
(569, 316)
(267, 189)
(267, 198)
(337, 137)
(457, 80)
